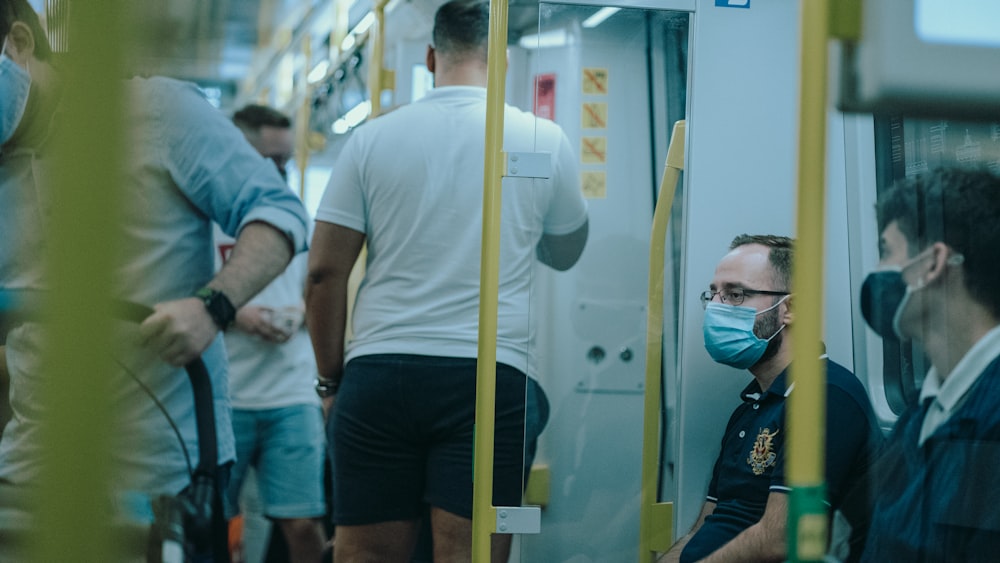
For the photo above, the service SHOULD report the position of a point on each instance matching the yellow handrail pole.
(656, 535)
(378, 77)
(76, 432)
(807, 518)
(483, 511)
(302, 118)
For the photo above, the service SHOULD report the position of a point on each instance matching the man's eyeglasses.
(734, 296)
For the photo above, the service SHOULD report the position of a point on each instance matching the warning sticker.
(593, 150)
(595, 115)
(595, 80)
(595, 184)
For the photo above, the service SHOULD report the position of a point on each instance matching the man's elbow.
(561, 252)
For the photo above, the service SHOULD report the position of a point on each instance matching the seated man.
(747, 308)
(939, 490)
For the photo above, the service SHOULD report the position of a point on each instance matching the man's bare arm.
(674, 555)
(763, 541)
(180, 330)
(560, 252)
(331, 258)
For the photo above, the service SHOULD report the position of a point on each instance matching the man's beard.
(767, 326)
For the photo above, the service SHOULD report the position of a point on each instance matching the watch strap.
(219, 307)
(327, 387)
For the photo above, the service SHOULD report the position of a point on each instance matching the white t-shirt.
(268, 375)
(412, 181)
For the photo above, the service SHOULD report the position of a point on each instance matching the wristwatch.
(326, 387)
(219, 307)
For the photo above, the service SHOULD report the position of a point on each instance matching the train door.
(614, 78)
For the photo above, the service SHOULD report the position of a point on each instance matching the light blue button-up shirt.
(187, 166)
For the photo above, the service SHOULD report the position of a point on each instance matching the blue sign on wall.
(733, 3)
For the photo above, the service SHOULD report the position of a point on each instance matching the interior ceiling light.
(319, 71)
(364, 25)
(352, 118)
(599, 17)
(554, 38)
(347, 43)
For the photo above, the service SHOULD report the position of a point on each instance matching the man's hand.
(271, 325)
(4, 374)
(179, 331)
(328, 406)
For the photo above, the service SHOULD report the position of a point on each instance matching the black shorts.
(400, 435)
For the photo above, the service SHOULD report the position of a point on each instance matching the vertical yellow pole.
(72, 501)
(655, 533)
(483, 511)
(807, 526)
(375, 70)
(302, 118)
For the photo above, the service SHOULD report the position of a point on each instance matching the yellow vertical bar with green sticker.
(807, 519)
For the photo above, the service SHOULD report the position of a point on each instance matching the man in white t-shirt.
(277, 419)
(411, 184)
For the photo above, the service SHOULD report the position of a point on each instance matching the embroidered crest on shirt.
(762, 455)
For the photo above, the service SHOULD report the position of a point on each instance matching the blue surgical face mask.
(15, 83)
(729, 336)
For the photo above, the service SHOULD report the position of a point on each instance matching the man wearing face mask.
(747, 309)
(937, 284)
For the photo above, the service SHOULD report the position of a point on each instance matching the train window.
(972, 22)
(907, 147)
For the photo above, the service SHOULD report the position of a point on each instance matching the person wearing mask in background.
(401, 428)
(277, 419)
(187, 166)
(748, 308)
(938, 497)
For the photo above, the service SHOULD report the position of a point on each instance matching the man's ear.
(20, 43)
(940, 254)
(788, 317)
(430, 59)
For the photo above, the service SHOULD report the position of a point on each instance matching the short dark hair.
(956, 206)
(19, 10)
(462, 28)
(252, 117)
(780, 255)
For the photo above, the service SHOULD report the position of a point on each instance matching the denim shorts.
(401, 432)
(285, 446)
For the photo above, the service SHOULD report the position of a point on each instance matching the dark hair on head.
(252, 117)
(959, 207)
(780, 256)
(19, 10)
(462, 28)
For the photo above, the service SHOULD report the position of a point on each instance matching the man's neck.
(767, 371)
(949, 339)
(38, 117)
(472, 73)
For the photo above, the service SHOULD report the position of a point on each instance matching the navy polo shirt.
(751, 462)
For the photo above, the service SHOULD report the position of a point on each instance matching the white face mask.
(15, 83)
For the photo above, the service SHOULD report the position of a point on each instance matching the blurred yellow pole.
(483, 511)
(806, 420)
(73, 499)
(378, 77)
